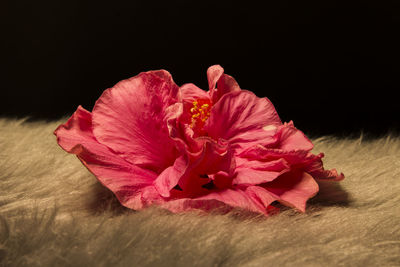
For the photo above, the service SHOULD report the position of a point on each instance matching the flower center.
(200, 113)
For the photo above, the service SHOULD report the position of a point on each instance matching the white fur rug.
(53, 212)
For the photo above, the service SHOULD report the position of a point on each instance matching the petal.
(293, 189)
(130, 119)
(316, 169)
(258, 172)
(260, 152)
(222, 180)
(213, 74)
(150, 196)
(205, 156)
(182, 134)
(239, 117)
(245, 140)
(272, 165)
(224, 83)
(212, 159)
(246, 176)
(261, 195)
(290, 138)
(76, 132)
(117, 174)
(191, 92)
(300, 159)
(169, 178)
(220, 199)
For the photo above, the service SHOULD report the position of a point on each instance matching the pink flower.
(152, 142)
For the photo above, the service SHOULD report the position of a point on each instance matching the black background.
(331, 67)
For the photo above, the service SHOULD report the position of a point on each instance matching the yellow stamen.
(199, 113)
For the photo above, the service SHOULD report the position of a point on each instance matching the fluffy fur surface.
(53, 212)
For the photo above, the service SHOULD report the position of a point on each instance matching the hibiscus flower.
(152, 142)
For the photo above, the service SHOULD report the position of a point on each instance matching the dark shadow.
(330, 194)
(103, 200)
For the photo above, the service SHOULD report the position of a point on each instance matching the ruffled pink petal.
(198, 169)
(117, 174)
(293, 189)
(299, 159)
(202, 156)
(213, 74)
(224, 199)
(289, 138)
(151, 196)
(191, 92)
(180, 133)
(222, 180)
(225, 84)
(293, 157)
(316, 169)
(212, 159)
(246, 140)
(183, 135)
(215, 156)
(240, 117)
(220, 83)
(261, 195)
(170, 177)
(130, 118)
(257, 172)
